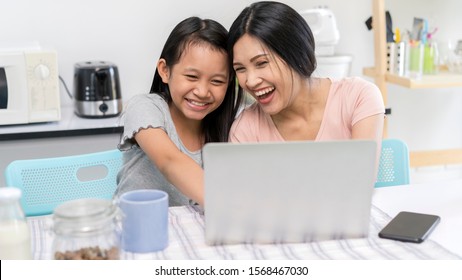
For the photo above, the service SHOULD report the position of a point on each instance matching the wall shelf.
(441, 80)
(381, 77)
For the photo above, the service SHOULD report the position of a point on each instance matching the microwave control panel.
(43, 85)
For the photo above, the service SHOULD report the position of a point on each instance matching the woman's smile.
(265, 95)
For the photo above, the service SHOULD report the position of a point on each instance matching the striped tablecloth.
(186, 241)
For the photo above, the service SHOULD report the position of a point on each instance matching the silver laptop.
(288, 192)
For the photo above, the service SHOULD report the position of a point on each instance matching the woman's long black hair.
(282, 29)
(194, 30)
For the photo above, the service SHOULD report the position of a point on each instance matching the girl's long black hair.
(194, 30)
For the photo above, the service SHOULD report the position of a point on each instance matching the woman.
(273, 54)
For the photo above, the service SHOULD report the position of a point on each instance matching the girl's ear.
(163, 70)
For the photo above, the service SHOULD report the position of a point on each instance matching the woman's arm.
(178, 168)
(370, 128)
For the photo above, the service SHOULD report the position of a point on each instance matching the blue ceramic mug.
(144, 220)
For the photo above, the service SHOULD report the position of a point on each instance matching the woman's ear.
(163, 70)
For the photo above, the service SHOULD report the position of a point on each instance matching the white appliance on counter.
(323, 25)
(29, 85)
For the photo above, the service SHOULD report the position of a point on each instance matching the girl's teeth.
(197, 103)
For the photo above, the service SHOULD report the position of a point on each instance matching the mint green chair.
(394, 164)
(48, 182)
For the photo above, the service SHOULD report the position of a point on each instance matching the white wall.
(131, 34)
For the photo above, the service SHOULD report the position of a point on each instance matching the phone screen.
(410, 227)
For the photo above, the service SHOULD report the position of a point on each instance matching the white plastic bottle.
(14, 232)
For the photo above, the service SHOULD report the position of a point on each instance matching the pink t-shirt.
(350, 100)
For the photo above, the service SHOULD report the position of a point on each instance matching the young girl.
(193, 101)
(273, 55)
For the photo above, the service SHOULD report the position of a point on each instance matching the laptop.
(282, 192)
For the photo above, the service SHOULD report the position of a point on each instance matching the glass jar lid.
(84, 216)
(9, 193)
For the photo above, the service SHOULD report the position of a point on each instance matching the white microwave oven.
(29, 86)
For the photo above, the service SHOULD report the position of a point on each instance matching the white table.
(186, 232)
(443, 199)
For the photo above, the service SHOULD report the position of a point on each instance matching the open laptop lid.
(288, 191)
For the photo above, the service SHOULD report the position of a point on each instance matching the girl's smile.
(197, 83)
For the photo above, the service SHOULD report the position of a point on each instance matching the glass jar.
(14, 232)
(86, 229)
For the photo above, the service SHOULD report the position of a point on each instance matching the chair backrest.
(394, 164)
(48, 182)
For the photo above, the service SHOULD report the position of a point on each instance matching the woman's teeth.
(264, 91)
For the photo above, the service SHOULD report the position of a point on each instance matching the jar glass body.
(86, 229)
(15, 241)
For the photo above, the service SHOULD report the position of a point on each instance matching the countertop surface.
(69, 125)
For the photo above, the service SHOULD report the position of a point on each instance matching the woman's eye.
(239, 69)
(261, 63)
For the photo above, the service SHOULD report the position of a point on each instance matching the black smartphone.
(410, 227)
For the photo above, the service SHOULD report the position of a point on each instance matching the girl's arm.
(178, 168)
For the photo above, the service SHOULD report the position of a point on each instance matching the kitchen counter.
(69, 125)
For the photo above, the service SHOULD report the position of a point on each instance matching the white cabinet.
(71, 136)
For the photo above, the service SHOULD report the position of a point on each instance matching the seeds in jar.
(89, 253)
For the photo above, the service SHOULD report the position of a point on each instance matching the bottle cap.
(9, 193)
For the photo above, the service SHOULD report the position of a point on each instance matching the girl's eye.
(218, 82)
(192, 77)
(239, 69)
